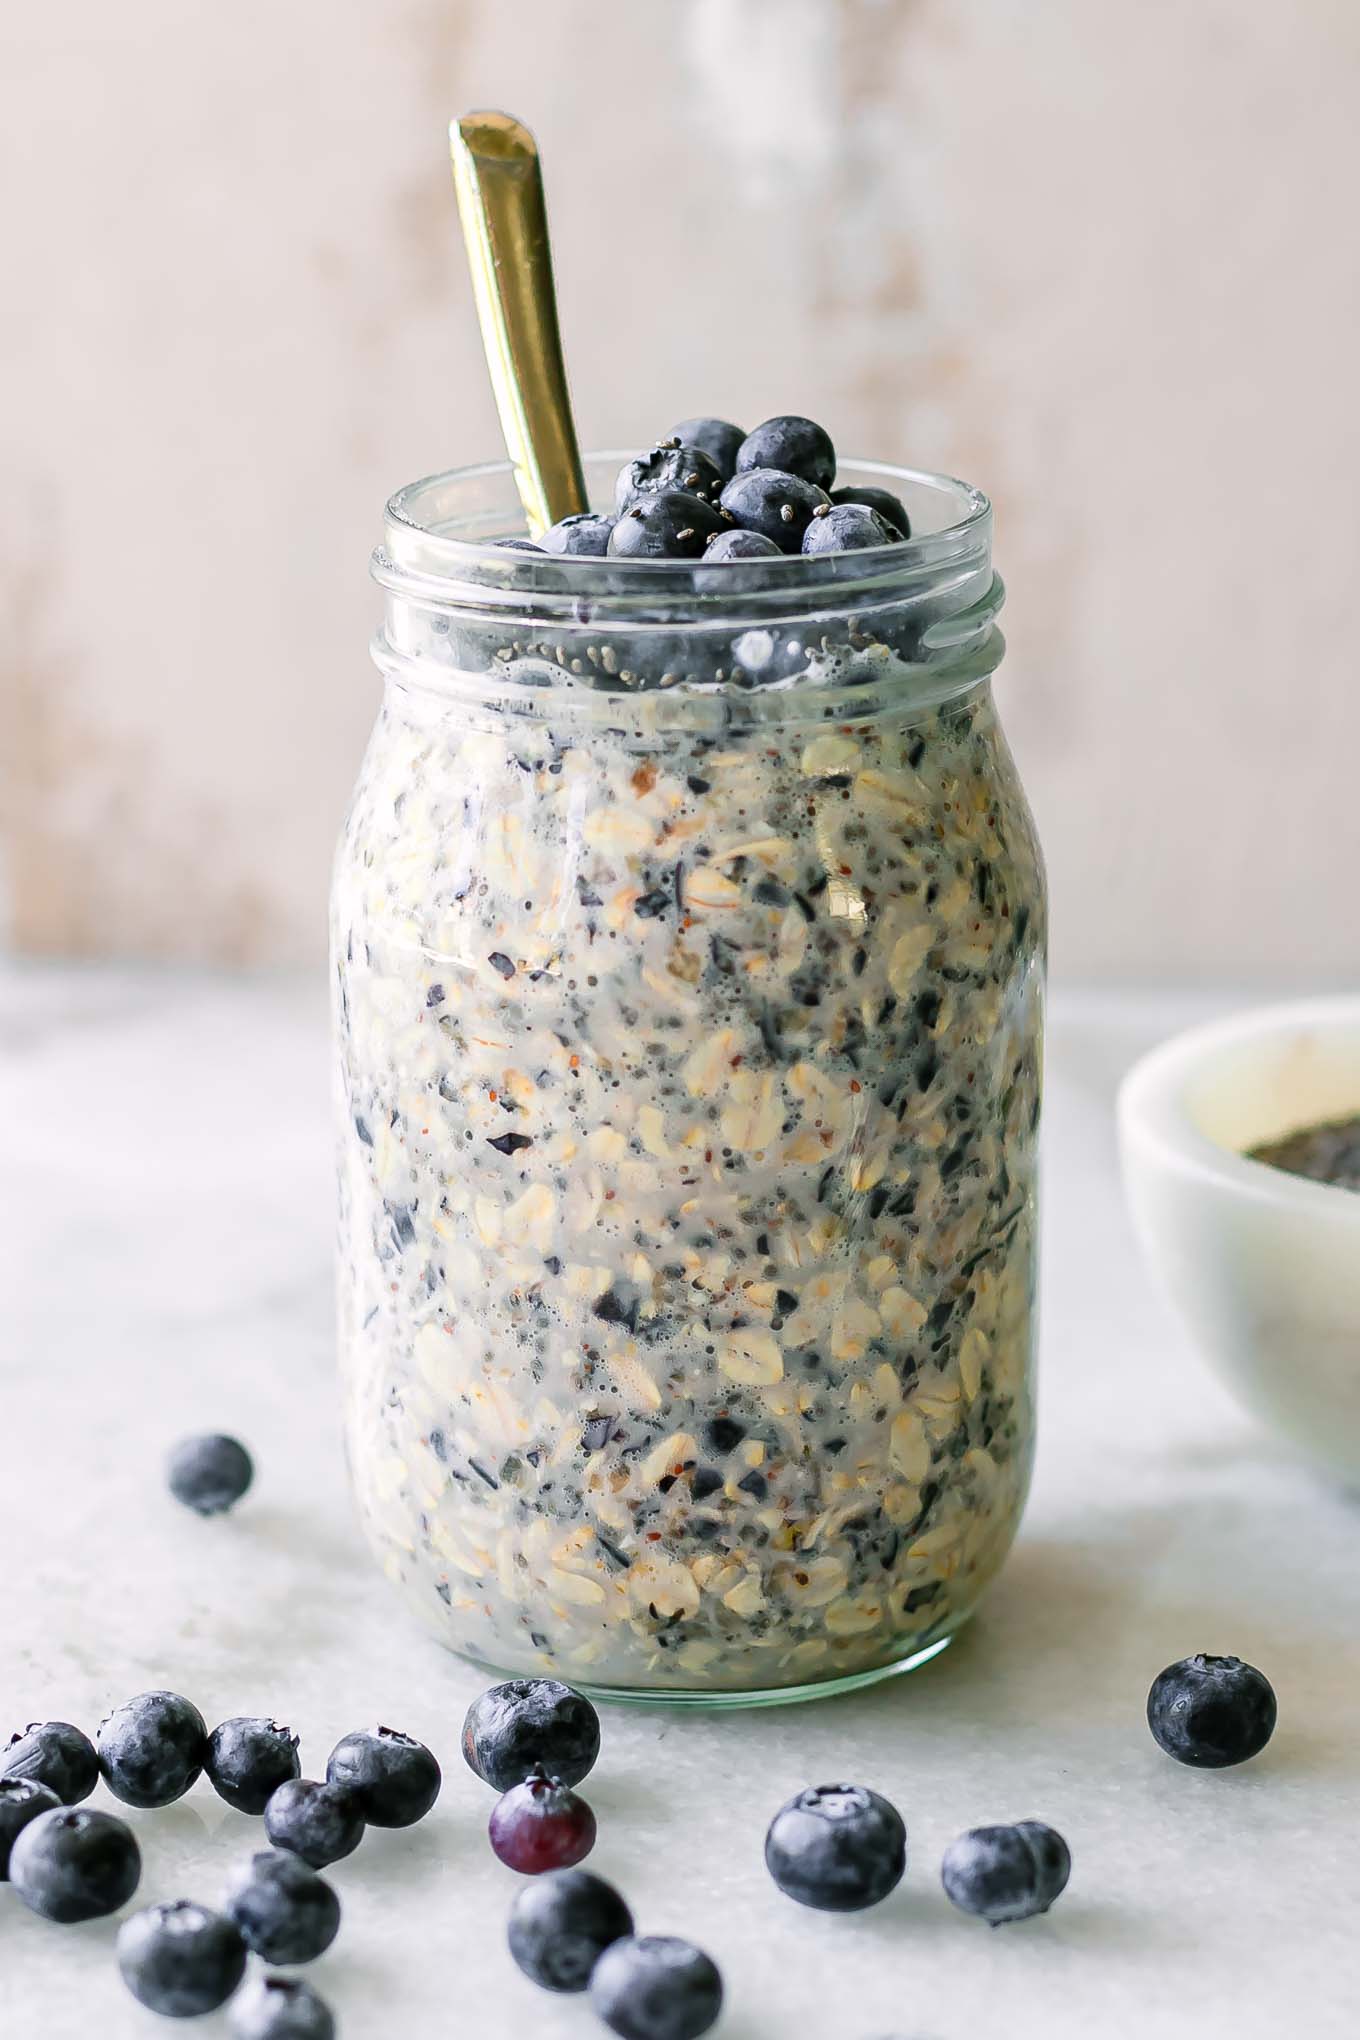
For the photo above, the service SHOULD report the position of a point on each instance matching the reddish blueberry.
(541, 1824)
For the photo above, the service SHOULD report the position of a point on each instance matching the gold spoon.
(499, 181)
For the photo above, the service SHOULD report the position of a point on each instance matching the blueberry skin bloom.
(736, 544)
(777, 505)
(285, 1912)
(511, 1729)
(1006, 1873)
(21, 1800)
(248, 1758)
(656, 1988)
(582, 535)
(665, 524)
(320, 1823)
(209, 1474)
(838, 1848)
(517, 545)
(847, 527)
(151, 1748)
(75, 1864)
(1211, 1711)
(56, 1755)
(393, 1779)
(561, 1924)
(795, 445)
(280, 2008)
(180, 1960)
(889, 507)
(715, 437)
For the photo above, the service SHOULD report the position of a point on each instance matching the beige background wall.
(1100, 258)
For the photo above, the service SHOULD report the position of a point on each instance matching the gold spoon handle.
(499, 181)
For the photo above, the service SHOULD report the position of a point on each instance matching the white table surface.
(165, 1231)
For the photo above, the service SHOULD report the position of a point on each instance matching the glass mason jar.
(688, 945)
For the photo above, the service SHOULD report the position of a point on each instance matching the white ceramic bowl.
(1263, 1266)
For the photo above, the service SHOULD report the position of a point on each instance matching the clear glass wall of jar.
(688, 936)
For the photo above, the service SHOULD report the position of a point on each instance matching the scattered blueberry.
(540, 1825)
(561, 1924)
(1211, 1711)
(847, 527)
(151, 1748)
(393, 1778)
(716, 438)
(21, 1800)
(668, 467)
(319, 1822)
(56, 1755)
(796, 446)
(75, 1864)
(736, 544)
(889, 507)
(656, 1988)
(1006, 1873)
(512, 1728)
(517, 545)
(248, 1758)
(585, 533)
(181, 1960)
(280, 2008)
(285, 1912)
(837, 1847)
(665, 524)
(209, 1474)
(777, 505)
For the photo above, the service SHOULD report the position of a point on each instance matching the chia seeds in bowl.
(688, 934)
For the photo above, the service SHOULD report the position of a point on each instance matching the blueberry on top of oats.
(797, 446)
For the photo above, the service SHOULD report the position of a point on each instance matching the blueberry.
(1006, 1873)
(526, 1722)
(247, 1758)
(776, 504)
(75, 1864)
(1211, 1711)
(56, 1755)
(285, 1912)
(320, 1823)
(517, 545)
(210, 1473)
(736, 544)
(151, 1749)
(181, 1960)
(794, 445)
(280, 2008)
(665, 524)
(715, 437)
(837, 1847)
(668, 467)
(21, 1800)
(656, 1988)
(889, 507)
(561, 1924)
(393, 1778)
(541, 1824)
(585, 533)
(847, 527)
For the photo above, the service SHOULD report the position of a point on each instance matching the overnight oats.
(688, 935)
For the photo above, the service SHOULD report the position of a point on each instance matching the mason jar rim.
(438, 548)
